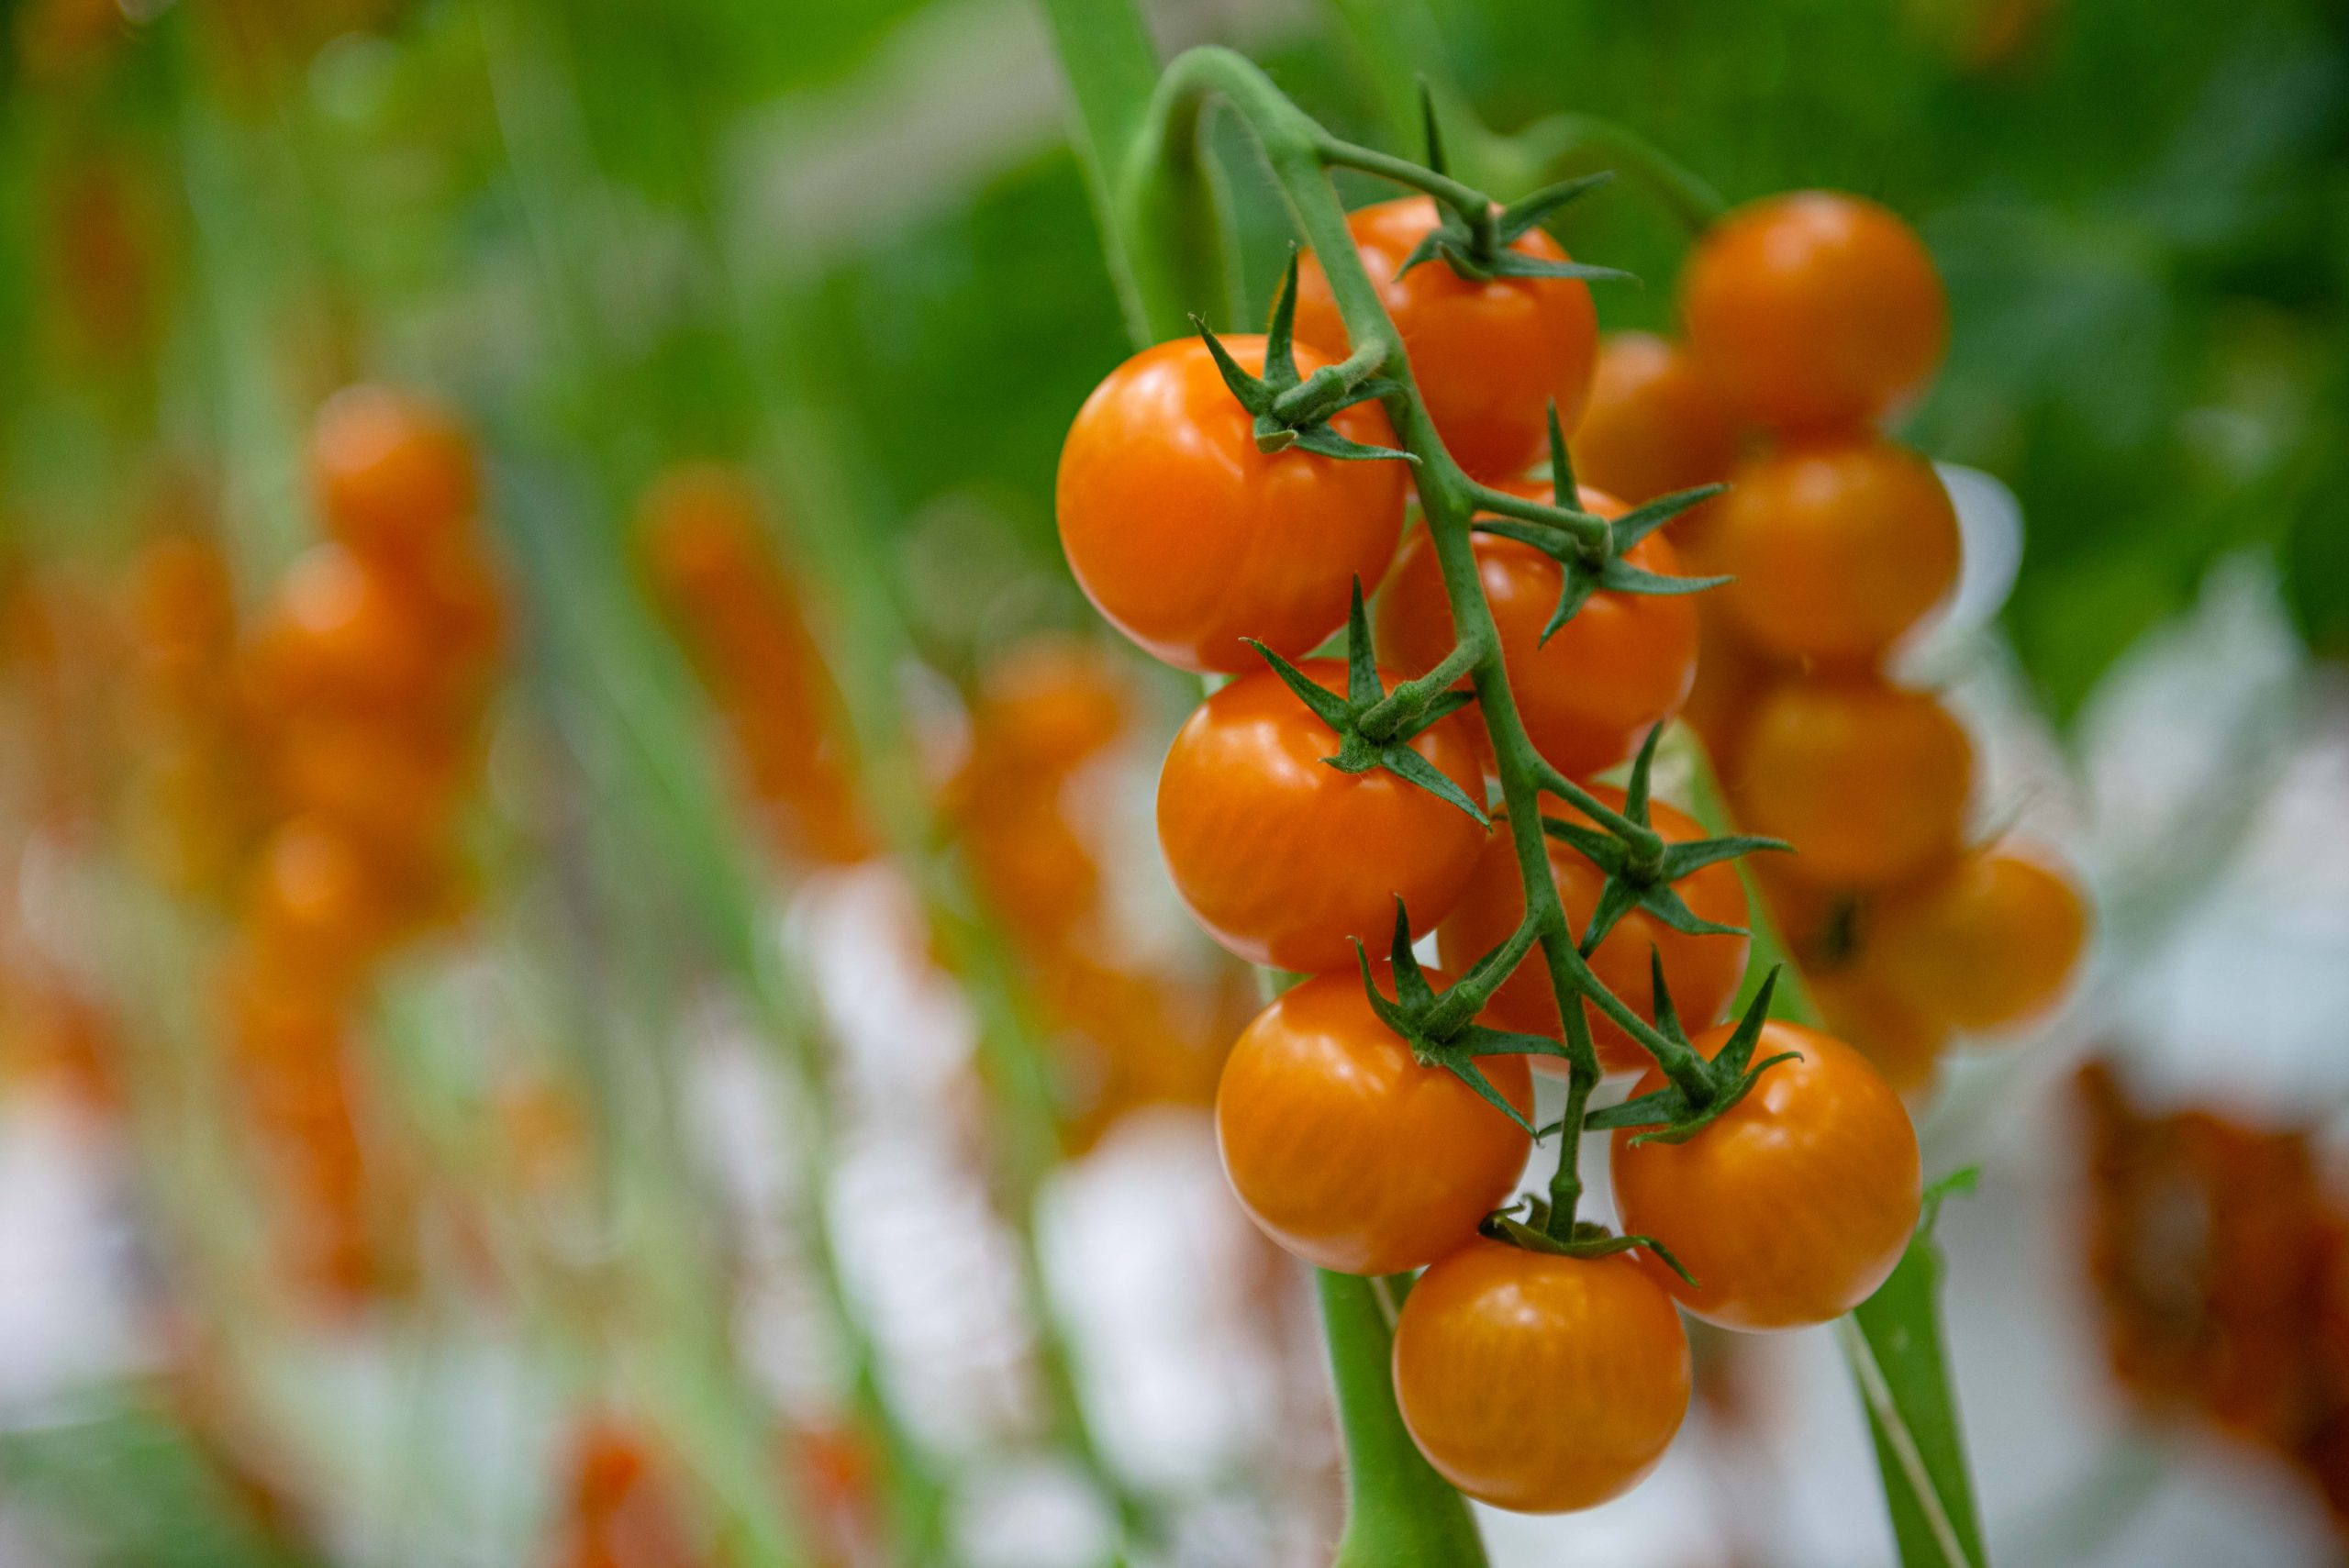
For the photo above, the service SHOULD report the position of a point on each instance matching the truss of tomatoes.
(1225, 503)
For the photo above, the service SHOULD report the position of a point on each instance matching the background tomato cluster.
(643, 1023)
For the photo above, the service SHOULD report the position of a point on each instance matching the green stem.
(1645, 843)
(1402, 705)
(1588, 528)
(1399, 1512)
(1466, 200)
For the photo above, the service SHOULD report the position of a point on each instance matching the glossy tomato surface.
(1990, 943)
(1489, 356)
(1590, 694)
(1288, 861)
(1655, 423)
(1814, 310)
(1188, 539)
(1793, 1206)
(391, 470)
(1347, 1151)
(1702, 971)
(1867, 782)
(1539, 1383)
(1838, 546)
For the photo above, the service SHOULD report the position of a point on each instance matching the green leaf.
(1323, 441)
(1739, 1049)
(1517, 264)
(1576, 585)
(1620, 577)
(1893, 1345)
(1665, 904)
(1563, 489)
(1679, 859)
(1635, 788)
(1280, 337)
(1659, 1108)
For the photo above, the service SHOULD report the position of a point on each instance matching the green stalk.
(1398, 1510)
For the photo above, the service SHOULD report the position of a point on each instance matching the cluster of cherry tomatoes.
(708, 558)
(1535, 1379)
(1810, 317)
(310, 769)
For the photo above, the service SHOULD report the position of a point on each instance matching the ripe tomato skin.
(1349, 1153)
(1989, 944)
(1868, 783)
(1838, 546)
(1283, 858)
(1188, 539)
(1656, 424)
(391, 470)
(1701, 971)
(1488, 357)
(1794, 1205)
(1901, 1041)
(1590, 694)
(1539, 1383)
(1814, 310)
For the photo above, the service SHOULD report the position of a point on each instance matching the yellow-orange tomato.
(1590, 694)
(1868, 783)
(1347, 1151)
(1792, 1206)
(1188, 539)
(318, 897)
(1900, 1042)
(393, 471)
(1539, 1383)
(1285, 860)
(1489, 357)
(1814, 309)
(341, 631)
(386, 782)
(1655, 423)
(1732, 676)
(1702, 973)
(1989, 944)
(1838, 546)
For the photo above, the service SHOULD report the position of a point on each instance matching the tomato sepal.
(1293, 410)
(1434, 1024)
(1587, 1238)
(1357, 751)
(1674, 1114)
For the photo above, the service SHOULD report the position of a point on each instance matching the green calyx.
(1589, 549)
(1478, 240)
(1585, 1238)
(1639, 881)
(1358, 749)
(1438, 1026)
(1291, 409)
(1701, 1092)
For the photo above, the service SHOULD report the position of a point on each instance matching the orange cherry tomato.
(319, 899)
(1900, 1042)
(1539, 1383)
(1814, 309)
(1793, 1206)
(1702, 973)
(1489, 357)
(1732, 676)
(1838, 546)
(1589, 696)
(1869, 783)
(1655, 423)
(1989, 944)
(700, 539)
(1287, 861)
(393, 471)
(1347, 1151)
(1188, 539)
(341, 631)
(385, 783)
